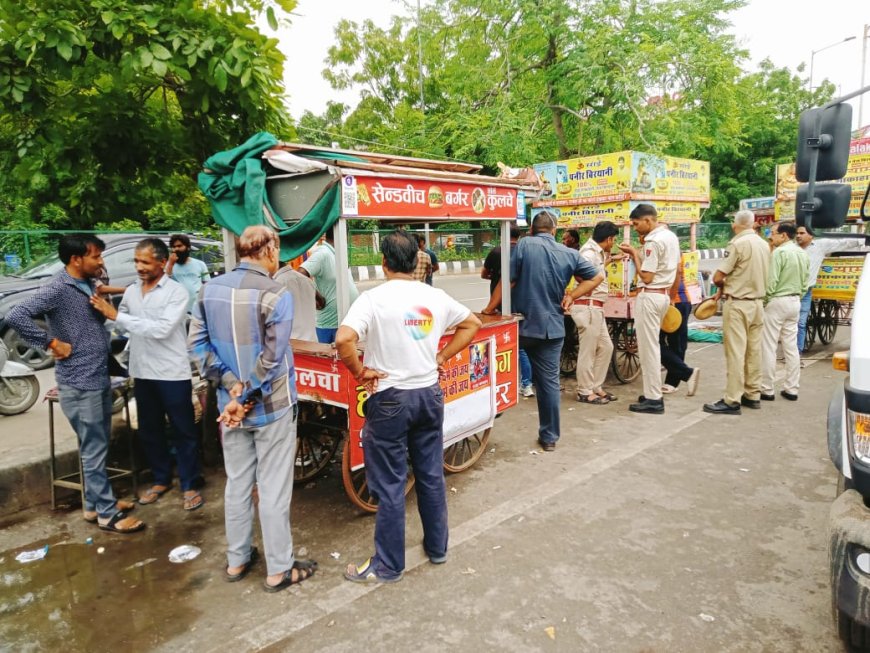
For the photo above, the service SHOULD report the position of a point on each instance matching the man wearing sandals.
(80, 345)
(593, 354)
(402, 322)
(153, 311)
(240, 337)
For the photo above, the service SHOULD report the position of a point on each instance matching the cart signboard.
(414, 199)
(838, 278)
(587, 215)
(621, 176)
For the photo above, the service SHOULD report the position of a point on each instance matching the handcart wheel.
(356, 486)
(827, 320)
(315, 448)
(625, 362)
(570, 347)
(461, 455)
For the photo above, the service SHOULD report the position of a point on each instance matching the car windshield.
(47, 266)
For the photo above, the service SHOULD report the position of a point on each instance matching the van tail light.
(859, 433)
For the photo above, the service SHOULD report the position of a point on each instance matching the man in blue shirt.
(80, 344)
(540, 271)
(240, 337)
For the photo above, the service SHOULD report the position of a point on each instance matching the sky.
(785, 32)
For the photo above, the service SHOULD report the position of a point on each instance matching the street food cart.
(584, 191)
(305, 183)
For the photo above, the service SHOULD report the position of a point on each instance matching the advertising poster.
(621, 280)
(547, 174)
(838, 278)
(648, 174)
(377, 197)
(469, 390)
(858, 175)
(685, 180)
(786, 191)
(586, 215)
(691, 276)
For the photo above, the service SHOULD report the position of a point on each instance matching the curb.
(376, 272)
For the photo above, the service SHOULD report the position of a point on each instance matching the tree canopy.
(525, 81)
(108, 108)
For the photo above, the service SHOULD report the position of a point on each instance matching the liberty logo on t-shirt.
(418, 322)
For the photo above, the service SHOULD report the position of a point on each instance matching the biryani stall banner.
(384, 197)
(587, 215)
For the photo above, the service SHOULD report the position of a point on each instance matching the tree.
(109, 107)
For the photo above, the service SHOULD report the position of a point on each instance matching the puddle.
(76, 599)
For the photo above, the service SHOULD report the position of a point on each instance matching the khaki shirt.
(745, 266)
(593, 253)
(660, 254)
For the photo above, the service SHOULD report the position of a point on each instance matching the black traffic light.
(828, 132)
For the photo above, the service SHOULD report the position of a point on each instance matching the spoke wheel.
(625, 362)
(319, 432)
(461, 455)
(356, 486)
(827, 322)
(812, 321)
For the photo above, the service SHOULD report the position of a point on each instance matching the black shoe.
(765, 397)
(652, 406)
(750, 403)
(788, 395)
(722, 407)
(641, 398)
(547, 446)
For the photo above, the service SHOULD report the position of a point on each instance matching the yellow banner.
(838, 278)
(587, 215)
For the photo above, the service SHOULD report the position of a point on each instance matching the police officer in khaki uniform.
(596, 348)
(657, 261)
(742, 279)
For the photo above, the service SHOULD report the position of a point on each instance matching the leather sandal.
(301, 570)
(121, 523)
(252, 560)
(90, 516)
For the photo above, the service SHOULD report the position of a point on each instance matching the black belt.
(743, 299)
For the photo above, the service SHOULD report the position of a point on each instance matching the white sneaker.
(668, 389)
(527, 391)
(692, 383)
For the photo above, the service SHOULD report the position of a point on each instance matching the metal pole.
(420, 56)
(505, 267)
(230, 260)
(342, 291)
(812, 56)
(863, 69)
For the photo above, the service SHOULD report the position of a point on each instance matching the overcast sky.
(785, 32)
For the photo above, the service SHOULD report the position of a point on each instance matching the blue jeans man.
(806, 304)
(544, 354)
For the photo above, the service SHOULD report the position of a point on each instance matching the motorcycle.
(19, 387)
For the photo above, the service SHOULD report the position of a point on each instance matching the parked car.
(118, 259)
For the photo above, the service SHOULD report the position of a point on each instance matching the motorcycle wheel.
(18, 394)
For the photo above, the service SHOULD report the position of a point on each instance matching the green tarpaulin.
(234, 182)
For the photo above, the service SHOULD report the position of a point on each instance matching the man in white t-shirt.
(306, 300)
(401, 322)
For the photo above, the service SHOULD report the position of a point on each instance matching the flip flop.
(152, 494)
(252, 560)
(117, 524)
(90, 516)
(193, 501)
(365, 573)
(304, 570)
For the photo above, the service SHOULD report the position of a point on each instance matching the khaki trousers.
(650, 309)
(596, 348)
(780, 325)
(742, 324)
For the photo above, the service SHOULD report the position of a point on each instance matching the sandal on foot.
(252, 560)
(300, 571)
(153, 493)
(608, 396)
(193, 501)
(121, 523)
(90, 516)
(592, 399)
(365, 573)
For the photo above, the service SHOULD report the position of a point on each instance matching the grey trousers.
(264, 456)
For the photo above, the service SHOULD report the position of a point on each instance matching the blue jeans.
(806, 303)
(544, 356)
(326, 336)
(90, 414)
(525, 369)
(157, 400)
(399, 424)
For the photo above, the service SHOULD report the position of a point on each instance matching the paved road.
(686, 532)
